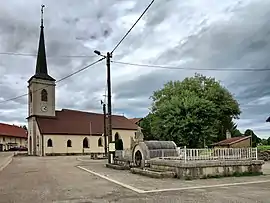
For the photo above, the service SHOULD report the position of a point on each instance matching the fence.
(218, 154)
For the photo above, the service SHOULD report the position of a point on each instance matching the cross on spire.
(42, 15)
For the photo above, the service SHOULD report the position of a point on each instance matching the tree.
(192, 112)
(145, 124)
(255, 139)
(24, 127)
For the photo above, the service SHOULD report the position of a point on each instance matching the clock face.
(44, 108)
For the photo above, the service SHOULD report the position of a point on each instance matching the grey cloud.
(78, 29)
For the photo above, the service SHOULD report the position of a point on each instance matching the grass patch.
(263, 147)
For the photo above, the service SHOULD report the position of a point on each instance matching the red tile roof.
(135, 120)
(12, 131)
(231, 141)
(74, 122)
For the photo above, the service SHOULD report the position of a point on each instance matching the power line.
(179, 68)
(68, 76)
(32, 54)
(132, 26)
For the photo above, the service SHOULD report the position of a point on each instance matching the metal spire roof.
(41, 64)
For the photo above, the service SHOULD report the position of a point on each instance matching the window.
(44, 95)
(69, 144)
(100, 144)
(85, 143)
(49, 143)
(116, 136)
(30, 96)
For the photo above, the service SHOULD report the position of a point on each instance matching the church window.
(85, 143)
(44, 95)
(49, 143)
(30, 96)
(100, 142)
(69, 143)
(116, 136)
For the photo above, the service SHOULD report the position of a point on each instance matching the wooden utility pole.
(105, 128)
(108, 62)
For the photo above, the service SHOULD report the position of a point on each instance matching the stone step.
(117, 167)
(153, 173)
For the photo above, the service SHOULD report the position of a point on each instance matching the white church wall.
(59, 143)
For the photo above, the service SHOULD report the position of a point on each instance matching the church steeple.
(41, 63)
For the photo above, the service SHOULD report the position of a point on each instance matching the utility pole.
(108, 63)
(105, 127)
(109, 123)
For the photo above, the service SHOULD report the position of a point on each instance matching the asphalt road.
(57, 179)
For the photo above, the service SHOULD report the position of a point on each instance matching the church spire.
(41, 64)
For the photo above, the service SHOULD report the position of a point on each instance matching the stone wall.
(207, 169)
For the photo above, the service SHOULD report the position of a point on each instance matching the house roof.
(135, 120)
(231, 141)
(12, 131)
(74, 122)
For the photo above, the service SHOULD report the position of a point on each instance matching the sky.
(187, 34)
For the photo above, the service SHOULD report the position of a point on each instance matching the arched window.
(44, 95)
(116, 136)
(30, 96)
(69, 143)
(85, 143)
(49, 143)
(100, 144)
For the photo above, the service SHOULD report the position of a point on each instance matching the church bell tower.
(41, 96)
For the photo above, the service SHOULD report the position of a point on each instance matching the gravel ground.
(57, 179)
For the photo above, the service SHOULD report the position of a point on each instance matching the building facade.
(234, 142)
(52, 132)
(12, 136)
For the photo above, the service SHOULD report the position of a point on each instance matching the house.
(234, 142)
(12, 136)
(136, 120)
(53, 132)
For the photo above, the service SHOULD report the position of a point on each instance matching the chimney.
(228, 134)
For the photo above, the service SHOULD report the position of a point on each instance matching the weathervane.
(42, 12)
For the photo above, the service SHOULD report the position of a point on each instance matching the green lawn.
(264, 147)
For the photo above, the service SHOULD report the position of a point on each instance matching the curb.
(6, 162)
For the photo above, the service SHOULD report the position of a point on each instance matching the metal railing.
(218, 154)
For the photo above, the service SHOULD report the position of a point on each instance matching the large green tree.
(192, 112)
(255, 139)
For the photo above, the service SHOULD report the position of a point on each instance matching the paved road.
(56, 179)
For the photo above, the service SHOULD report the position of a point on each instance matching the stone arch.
(44, 95)
(85, 143)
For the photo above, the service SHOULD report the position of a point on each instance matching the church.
(65, 132)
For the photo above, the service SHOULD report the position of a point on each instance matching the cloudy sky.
(188, 34)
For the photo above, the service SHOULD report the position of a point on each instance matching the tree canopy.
(193, 112)
(255, 139)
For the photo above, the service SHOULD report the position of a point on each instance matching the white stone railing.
(218, 154)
